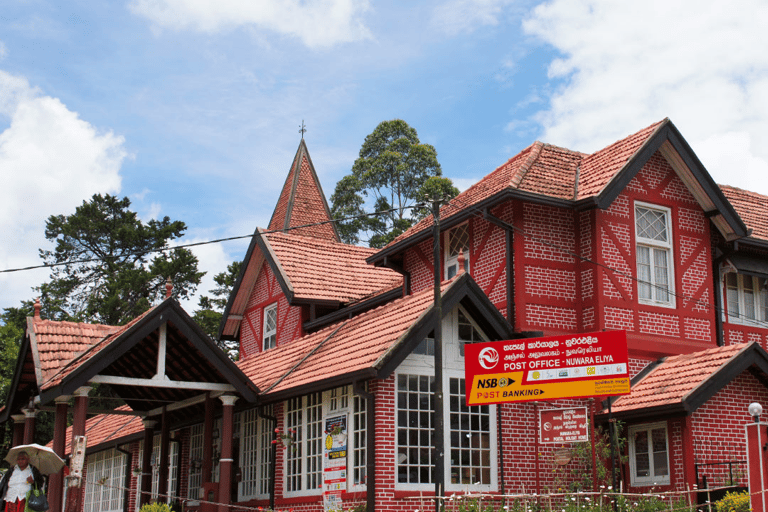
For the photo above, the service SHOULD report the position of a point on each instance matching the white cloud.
(317, 23)
(464, 16)
(51, 161)
(625, 65)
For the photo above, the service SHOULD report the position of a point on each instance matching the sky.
(192, 108)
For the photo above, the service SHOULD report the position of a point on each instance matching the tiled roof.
(67, 367)
(751, 207)
(105, 428)
(321, 270)
(357, 344)
(676, 378)
(547, 171)
(599, 168)
(59, 342)
(302, 201)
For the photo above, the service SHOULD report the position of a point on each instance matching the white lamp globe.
(755, 409)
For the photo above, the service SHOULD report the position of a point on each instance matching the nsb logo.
(488, 358)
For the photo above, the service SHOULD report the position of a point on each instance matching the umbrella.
(42, 457)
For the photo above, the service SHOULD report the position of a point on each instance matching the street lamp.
(755, 410)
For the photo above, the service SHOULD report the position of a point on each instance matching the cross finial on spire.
(302, 129)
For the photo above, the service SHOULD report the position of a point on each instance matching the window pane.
(659, 436)
(642, 460)
(414, 459)
(732, 294)
(749, 297)
(644, 272)
(470, 439)
(661, 275)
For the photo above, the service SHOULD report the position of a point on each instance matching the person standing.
(17, 482)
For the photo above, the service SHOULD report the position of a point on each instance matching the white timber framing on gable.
(160, 379)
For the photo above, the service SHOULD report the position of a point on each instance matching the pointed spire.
(302, 202)
(38, 307)
(168, 288)
(462, 261)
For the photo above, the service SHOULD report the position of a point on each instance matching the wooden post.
(75, 486)
(29, 424)
(146, 463)
(56, 480)
(225, 463)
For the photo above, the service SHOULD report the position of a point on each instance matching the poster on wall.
(551, 368)
(334, 462)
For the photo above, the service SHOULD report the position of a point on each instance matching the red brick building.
(634, 237)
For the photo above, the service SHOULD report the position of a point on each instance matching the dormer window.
(746, 298)
(653, 241)
(270, 326)
(457, 242)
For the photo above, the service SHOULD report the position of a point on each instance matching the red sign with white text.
(573, 366)
(564, 425)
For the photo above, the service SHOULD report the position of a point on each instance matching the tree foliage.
(111, 266)
(210, 311)
(388, 176)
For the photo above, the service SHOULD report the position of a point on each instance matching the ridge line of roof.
(517, 178)
(306, 356)
(713, 374)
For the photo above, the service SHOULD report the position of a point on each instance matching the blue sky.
(192, 108)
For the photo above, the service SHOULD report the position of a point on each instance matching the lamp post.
(756, 471)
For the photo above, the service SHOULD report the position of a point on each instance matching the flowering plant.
(286, 439)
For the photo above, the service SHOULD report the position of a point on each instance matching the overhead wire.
(471, 208)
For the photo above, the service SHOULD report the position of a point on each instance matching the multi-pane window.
(249, 454)
(359, 441)
(457, 242)
(304, 455)
(415, 403)
(654, 254)
(470, 438)
(270, 326)
(648, 454)
(105, 479)
(265, 451)
(195, 461)
(470, 442)
(173, 470)
(746, 298)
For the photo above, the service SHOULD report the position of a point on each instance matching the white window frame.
(195, 478)
(451, 261)
(105, 479)
(651, 479)
(423, 366)
(269, 336)
(654, 245)
(759, 299)
(335, 402)
(304, 462)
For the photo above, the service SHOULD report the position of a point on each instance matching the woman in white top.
(17, 482)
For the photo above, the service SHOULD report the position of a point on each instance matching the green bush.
(155, 507)
(734, 502)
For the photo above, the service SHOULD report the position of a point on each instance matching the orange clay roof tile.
(106, 427)
(302, 202)
(59, 342)
(67, 367)
(343, 348)
(549, 171)
(675, 378)
(322, 270)
(751, 207)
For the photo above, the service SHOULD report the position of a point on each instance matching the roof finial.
(38, 307)
(302, 129)
(168, 288)
(462, 261)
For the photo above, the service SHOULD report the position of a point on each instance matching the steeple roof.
(302, 202)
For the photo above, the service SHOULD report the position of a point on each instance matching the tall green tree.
(110, 266)
(389, 175)
(210, 308)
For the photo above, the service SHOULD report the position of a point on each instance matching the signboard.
(334, 462)
(564, 425)
(573, 366)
